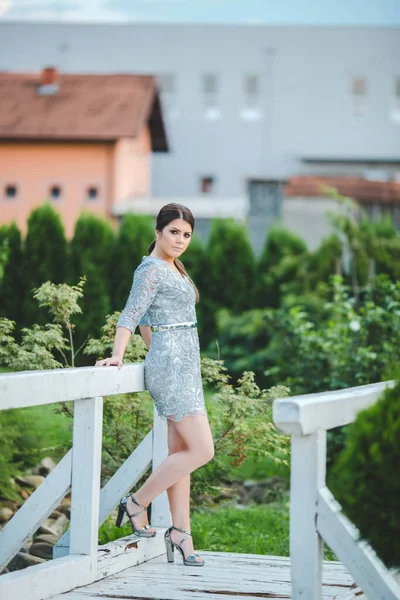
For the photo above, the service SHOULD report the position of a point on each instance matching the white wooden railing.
(315, 515)
(78, 560)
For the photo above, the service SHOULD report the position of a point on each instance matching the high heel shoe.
(190, 561)
(143, 531)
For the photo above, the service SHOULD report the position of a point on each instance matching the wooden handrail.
(315, 516)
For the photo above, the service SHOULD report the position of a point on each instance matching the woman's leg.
(179, 496)
(199, 449)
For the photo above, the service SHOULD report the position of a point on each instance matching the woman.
(162, 302)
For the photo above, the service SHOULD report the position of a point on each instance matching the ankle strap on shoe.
(181, 530)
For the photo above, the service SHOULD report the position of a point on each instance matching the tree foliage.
(91, 251)
(44, 258)
(231, 266)
(365, 477)
(134, 236)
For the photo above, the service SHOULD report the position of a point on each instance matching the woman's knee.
(207, 453)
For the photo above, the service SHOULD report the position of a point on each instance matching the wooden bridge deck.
(224, 576)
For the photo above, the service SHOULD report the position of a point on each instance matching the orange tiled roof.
(85, 107)
(357, 188)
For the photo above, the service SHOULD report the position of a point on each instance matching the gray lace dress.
(172, 373)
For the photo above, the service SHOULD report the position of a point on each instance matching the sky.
(274, 12)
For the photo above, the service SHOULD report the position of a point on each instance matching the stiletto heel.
(120, 517)
(170, 550)
(189, 561)
(143, 531)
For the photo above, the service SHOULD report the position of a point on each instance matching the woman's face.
(174, 238)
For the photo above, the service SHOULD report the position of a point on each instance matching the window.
(210, 90)
(207, 184)
(359, 95)
(55, 192)
(395, 100)
(251, 98)
(92, 193)
(251, 91)
(10, 191)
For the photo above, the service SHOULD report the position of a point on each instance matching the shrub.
(365, 477)
(91, 251)
(44, 258)
(135, 234)
(231, 266)
(277, 265)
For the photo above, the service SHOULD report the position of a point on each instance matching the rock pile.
(40, 547)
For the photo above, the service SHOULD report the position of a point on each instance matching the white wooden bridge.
(133, 568)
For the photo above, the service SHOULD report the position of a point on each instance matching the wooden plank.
(160, 513)
(43, 581)
(308, 469)
(308, 413)
(120, 483)
(35, 510)
(33, 388)
(340, 534)
(220, 579)
(128, 552)
(86, 473)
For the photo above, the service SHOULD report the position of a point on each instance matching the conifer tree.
(12, 287)
(90, 256)
(135, 234)
(231, 266)
(44, 258)
(276, 265)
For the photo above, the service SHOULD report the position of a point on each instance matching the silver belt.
(173, 326)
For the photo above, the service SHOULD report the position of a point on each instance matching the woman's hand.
(109, 362)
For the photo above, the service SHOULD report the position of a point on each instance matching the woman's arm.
(121, 340)
(145, 332)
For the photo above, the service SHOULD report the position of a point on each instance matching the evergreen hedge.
(135, 234)
(276, 266)
(90, 256)
(231, 266)
(365, 479)
(12, 285)
(44, 258)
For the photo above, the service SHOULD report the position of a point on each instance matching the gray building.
(246, 107)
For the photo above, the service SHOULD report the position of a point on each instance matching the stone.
(24, 494)
(60, 525)
(65, 509)
(22, 560)
(5, 514)
(56, 513)
(45, 467)
(48, 538)
(42, 550)
(44, 530)
(32, 481)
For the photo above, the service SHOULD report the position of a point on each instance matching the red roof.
(359, 189)
(83, 107)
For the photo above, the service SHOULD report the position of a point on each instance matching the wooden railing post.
(86, 464)
(160, 513)
(308, 467)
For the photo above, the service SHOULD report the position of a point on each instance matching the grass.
(262, 529)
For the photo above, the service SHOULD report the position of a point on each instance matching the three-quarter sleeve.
(146, 282)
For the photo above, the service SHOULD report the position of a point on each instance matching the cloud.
(5, 5)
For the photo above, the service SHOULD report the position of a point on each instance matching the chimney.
(48, 81)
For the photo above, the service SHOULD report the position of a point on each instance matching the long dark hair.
(169, 213)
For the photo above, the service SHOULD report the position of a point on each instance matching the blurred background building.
(256, 117)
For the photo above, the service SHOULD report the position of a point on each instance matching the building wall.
(305, 104)
(116, 170)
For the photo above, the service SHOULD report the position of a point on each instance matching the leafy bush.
(134, 236)
(44, 258)
(11, 283)
(231, 267)
(365, 477)
(277, 265)
(90, 257)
